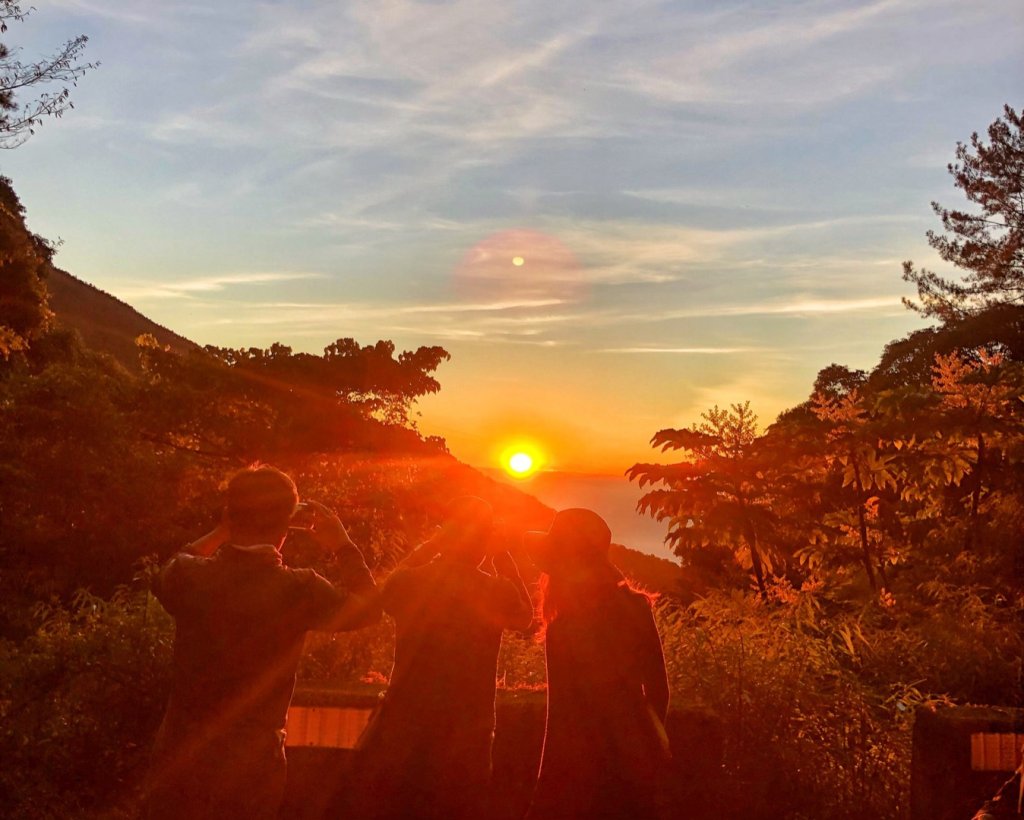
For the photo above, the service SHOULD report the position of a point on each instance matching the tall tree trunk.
(865, 547)
(751, 535)
(755, 562)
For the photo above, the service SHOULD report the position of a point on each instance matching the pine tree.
(988, 246)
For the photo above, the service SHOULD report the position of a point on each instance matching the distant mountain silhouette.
(106, 324)
(652, 573)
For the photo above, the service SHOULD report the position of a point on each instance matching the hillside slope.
(106, 324)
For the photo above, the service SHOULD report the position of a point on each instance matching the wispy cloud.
(189, 288)
(482, 307)
(208, 125)
(478, 336)
(688, 351)
(378, 310)
(796, 307)
(149, 13)
(780, 60)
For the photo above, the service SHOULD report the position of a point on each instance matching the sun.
(518, 261)
(521, 460)
(520, 463)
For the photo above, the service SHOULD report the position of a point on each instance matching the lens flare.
(495, 268)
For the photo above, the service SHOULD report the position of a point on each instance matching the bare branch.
(65, 67)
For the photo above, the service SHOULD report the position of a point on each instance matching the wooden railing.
(324, 724)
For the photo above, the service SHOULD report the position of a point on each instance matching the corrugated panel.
(326, 726)
(996, 751)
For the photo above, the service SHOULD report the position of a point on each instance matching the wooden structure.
(324, 724)
(961, 757)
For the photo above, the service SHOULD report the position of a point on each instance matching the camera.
(302, 518)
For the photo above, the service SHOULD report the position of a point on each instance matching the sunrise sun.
(520, 460)
(520, 463)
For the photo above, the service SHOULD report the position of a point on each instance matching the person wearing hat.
(427, 751)
(605, 740)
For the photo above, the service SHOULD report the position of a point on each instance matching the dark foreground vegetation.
(859, 558)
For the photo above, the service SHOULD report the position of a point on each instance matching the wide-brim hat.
(575, 532)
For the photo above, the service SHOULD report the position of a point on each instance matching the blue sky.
(711, 201)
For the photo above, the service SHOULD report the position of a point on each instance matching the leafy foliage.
(80, 699)
(24, 256)
(274, 403)
(369, 378)
(804, 735)
(720, 495)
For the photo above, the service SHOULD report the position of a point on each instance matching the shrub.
(804, 737)
(80, 700)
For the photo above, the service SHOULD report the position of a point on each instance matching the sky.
(613, 215)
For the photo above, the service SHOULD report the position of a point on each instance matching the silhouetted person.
(605, 741)
(241, 617)
(427, 752)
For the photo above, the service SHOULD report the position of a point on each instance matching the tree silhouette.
(267, 403)
(368, 377)
(910, 360)
(988, 246)
(719, 495)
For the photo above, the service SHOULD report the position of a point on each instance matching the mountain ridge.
(107, 324)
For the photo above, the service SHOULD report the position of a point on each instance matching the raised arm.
(172, 585)
(425, 552)
(333, 539)
(206, 545)
(167, 585)
(517, 611)
(355, 602)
